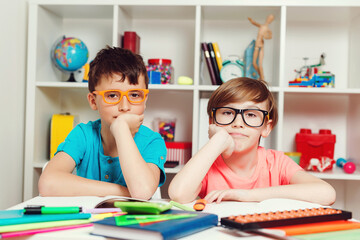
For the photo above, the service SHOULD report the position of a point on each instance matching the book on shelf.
(131, 41)
(217, 55)
(169, 229)
(208, 61)
(214, 64)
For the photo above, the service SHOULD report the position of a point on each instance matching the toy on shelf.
(312, 145)
(166, 128)
(178, 153)
(264, 32)
(164, 67)
(69, 54)
(310, 76)
(321, 165)
(349, 167)
(295, 156)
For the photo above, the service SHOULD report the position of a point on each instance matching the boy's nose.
(238, 122)
(124, 104)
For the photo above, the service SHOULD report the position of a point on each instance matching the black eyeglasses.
(251, 117)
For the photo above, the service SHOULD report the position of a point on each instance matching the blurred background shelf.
(175, 30)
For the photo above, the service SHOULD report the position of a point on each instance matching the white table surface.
(223, 209)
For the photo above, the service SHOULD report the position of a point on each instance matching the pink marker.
(101, 210)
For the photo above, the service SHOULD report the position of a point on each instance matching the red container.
(179, 152)
(313, 145)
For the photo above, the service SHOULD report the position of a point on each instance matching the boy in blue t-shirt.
(114, 155)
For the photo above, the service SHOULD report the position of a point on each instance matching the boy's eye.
(251, 114)
(112, 95)
(134, 95)
(227, 112)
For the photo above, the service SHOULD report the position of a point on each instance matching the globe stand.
(71, 78)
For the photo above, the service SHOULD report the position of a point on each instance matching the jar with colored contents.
(164, 67)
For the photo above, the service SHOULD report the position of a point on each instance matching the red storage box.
(312, 145)
(177, 153)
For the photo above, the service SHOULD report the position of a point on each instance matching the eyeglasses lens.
(251, 117)
(134, 96)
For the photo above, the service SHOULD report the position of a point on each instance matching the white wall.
(13, 38)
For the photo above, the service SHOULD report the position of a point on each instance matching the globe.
(69, 54)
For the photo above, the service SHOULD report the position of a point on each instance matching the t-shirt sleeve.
(74, 144)
(288, 168)
(155, 152)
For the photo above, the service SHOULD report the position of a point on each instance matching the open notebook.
(86, 202)
(225, 209)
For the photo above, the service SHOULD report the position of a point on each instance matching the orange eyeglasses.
(115, 96)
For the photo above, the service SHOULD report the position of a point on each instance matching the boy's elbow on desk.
(330, 195)
(45, 186)
(142, 193)
(179, 195)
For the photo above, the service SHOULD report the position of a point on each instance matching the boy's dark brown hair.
(241, 90)
(115, 60)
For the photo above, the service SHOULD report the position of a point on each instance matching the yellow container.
(294, 156)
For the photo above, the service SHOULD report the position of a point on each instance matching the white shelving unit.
(175, 30)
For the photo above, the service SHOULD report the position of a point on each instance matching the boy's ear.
(211, 121)
(91, 100)
(267, 128)
(147, 97)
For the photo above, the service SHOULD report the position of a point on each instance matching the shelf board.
(173, 170)
(214, 87)
(209, 88)
(170, 87)
(71, 9)
(337, 174)
(40, 164)
(321, 90)
(334, 174)
(62, 84)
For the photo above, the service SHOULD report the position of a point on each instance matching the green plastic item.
(143, 207)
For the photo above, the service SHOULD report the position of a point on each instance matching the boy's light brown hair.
(115, 60)
(241, 90)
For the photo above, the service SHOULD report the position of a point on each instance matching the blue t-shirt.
(84, 145)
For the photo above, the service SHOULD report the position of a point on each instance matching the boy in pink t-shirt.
(232, 166)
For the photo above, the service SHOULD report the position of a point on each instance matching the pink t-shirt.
(274, 168)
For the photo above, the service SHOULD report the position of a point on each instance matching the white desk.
(223, 209)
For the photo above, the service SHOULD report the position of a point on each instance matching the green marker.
(51, 210)
(181, 206)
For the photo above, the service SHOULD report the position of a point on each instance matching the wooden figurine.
(263, 33)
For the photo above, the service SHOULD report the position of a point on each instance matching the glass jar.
(164, 67)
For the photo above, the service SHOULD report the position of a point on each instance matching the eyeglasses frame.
(101, 93)
(241, 112)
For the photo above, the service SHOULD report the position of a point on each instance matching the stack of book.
(160, 222)
(117, 217)
(213, 61)
(15, 223)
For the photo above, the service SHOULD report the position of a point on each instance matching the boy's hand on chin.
(132, 121)
(229, 143)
